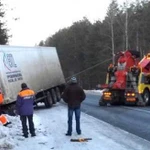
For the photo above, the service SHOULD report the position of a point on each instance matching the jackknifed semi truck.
(38, 67)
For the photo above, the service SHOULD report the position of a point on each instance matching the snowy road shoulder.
(51, 126)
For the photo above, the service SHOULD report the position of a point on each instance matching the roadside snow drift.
(51, 126)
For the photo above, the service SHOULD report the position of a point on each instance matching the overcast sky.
(39, 19)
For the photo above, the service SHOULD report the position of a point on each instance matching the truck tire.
(48, 101)
(146, 97)
(101, 102)
(54, 97)
(58, 94)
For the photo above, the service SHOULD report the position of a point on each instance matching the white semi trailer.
(39, 67)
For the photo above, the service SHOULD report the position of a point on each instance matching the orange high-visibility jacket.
(3, 119)
(1, 98)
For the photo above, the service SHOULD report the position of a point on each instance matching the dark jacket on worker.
(73, 95)
(24, 103)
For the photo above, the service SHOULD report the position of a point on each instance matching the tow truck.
(128, 80)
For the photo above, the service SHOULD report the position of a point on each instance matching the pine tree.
(3, 30)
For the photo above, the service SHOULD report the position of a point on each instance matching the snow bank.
(51, 126)
(6, 135)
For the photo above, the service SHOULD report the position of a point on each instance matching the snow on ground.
(51, 126)
(97, 92)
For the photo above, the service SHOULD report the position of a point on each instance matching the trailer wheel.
(48, 100)
(58, 94)
(54, 97)
(146, 97)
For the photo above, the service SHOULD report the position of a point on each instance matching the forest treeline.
(85, 49)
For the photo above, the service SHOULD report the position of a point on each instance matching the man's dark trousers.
(77, 117)
(24, 124)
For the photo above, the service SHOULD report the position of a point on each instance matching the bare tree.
(126, 26)
(111, 13)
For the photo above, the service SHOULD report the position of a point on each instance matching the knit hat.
(24, 85)
(73, 80)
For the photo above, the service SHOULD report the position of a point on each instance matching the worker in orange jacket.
(3, 118)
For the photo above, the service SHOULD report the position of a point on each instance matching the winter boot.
(33, 134)
(26, 136)
(68, 134)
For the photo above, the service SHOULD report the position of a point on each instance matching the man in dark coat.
(73, 96)
(24, 107)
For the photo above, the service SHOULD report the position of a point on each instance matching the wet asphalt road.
(133, 119)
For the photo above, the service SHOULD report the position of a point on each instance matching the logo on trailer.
(9, 62)
(13, 73)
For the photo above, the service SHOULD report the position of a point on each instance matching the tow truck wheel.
(101, 102)
(146, 97)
